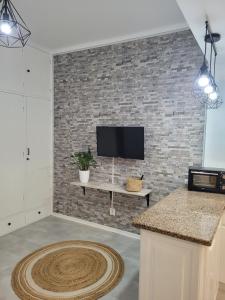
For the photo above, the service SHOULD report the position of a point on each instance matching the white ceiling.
(74, 24)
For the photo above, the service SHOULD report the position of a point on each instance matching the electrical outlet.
(112, 211)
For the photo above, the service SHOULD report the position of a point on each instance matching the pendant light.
(205, 87)
(13, 30)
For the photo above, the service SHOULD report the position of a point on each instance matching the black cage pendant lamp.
(205, 87)
(13, 30)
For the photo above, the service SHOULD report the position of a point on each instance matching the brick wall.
(147, 82)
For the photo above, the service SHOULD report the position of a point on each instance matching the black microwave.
(206, 180)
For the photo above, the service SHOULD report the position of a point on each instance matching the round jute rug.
(68, 270)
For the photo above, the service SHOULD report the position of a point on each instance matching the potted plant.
(83, 160)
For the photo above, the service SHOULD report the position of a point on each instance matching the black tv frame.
(115, 153)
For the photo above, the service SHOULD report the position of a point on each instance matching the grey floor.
(22, 242)
(18, 244)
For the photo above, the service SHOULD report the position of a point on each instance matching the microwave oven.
(207, 180)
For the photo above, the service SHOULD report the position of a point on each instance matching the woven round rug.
(68, 270)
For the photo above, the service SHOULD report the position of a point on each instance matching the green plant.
(83, 160)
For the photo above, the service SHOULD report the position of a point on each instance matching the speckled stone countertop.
(192, 216)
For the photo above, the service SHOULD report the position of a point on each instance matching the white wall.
(215, 137)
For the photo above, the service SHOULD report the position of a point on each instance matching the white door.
(12, 161)
(38, 167)
(37, 73)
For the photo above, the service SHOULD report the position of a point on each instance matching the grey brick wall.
(146, 82)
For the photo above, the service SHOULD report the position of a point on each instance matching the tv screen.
(125, 142)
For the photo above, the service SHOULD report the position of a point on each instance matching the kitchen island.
(180, 244)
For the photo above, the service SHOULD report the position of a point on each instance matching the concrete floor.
(18, 244)
(14, 246)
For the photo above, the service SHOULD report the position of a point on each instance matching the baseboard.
(99, 226)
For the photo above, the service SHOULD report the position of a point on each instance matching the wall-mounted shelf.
(112, 188)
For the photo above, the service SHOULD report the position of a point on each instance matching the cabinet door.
(37, 73)
(12, 223)
(12, 162)
(212, 269)
(38, 167)
(222, 252)
(12, 70)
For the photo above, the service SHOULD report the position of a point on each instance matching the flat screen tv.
(125, 142)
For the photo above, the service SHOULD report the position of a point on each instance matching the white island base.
(175, 269)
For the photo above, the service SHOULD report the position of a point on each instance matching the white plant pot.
(84, 176)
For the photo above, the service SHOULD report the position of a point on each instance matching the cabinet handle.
(39, 212)
(9, 224)
(28, 153)
(28, 70)
(203, 173)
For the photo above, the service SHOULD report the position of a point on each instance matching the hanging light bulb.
(203, 76)
(5, 28)
(213, 96)
(13, 30)
(205, 87)
(208, 89)
(203, 80)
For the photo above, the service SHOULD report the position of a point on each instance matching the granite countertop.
(187, 215)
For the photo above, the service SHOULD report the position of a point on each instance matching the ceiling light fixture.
(13, 30)
(205, 87)
(208, 89)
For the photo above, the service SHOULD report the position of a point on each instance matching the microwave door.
(223, 183)
(205, 181)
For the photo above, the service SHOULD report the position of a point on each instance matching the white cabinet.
(25, 71)
(37, 73)
(38, 187)
(39, 135)
(25, 123)
(211, 272)
(38, 213)
(39, 144)
(175, 269)
(12, 223)
(222, 251)
(12, 163)
(12, 70)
